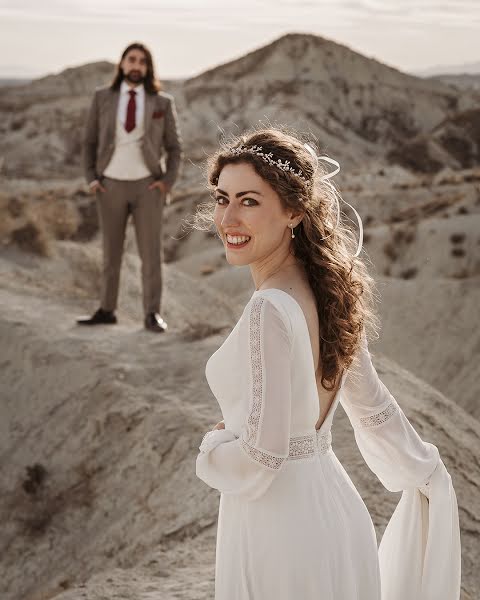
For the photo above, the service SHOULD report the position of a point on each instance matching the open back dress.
(291, 524)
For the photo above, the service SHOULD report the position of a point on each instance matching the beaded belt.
(309, 445)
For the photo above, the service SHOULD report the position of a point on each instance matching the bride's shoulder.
(275, 301)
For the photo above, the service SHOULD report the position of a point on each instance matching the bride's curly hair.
(343, 289)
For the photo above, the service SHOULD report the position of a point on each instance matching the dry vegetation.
(33, 223)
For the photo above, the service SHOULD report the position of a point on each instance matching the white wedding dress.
(291, 524)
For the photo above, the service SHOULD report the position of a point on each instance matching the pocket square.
(158, 114)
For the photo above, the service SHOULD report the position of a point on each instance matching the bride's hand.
(220, 425)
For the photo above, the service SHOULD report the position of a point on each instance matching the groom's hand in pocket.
(158, 184)
(96, 186)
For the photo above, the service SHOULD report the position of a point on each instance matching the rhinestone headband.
(283, 165)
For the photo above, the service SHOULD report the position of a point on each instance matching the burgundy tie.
(131, 109)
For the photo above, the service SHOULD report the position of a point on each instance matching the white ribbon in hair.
(336, 195)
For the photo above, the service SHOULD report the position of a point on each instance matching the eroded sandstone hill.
(454, 143)
(357, 107)
(99, 429)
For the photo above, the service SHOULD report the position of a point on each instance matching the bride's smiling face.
(249, 216)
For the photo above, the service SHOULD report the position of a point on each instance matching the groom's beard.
(135, 77)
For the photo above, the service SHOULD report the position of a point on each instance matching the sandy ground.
(100, 428)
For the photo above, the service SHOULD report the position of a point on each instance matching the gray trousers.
(121, 199)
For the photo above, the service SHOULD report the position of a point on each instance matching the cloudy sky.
(187, 36)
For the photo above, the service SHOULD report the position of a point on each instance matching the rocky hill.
(453, 143)
(356, 107)
(74, 81)
(99, 429)
(350, 102)
(465, 81)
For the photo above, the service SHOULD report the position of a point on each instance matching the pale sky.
(186, 37)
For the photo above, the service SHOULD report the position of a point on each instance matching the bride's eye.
(249, 202)
(221, 200)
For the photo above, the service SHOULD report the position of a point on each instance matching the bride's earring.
(291, 227)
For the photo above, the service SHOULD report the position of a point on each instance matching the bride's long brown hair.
(343, 289)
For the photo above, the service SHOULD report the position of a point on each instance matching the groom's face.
(134, 66)
(249, 216)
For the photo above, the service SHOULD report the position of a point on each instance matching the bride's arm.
(247, 466)
(388, 442)
(420, 550)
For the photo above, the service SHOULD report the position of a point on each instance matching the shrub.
(31, 238)
(16, 125)
(36, 475)
(409, 273)
(457, 238)
(15, 207)
(390, 251)
(405, 236)
(368, 220)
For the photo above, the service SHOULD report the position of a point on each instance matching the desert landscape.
(100, 429)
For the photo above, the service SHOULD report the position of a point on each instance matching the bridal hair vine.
(285, 165)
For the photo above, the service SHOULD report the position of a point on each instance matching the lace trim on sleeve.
(249, 438)
(380, 417)
(272, 462)
(257, 371)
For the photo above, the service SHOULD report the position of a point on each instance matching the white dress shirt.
(127, 162)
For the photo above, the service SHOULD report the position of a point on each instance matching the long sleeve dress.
(291, 523)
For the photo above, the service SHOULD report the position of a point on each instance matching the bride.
(291, 524)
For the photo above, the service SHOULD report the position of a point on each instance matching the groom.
(130, 127)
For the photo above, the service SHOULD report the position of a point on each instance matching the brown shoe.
(101, 317)
(155, 323)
